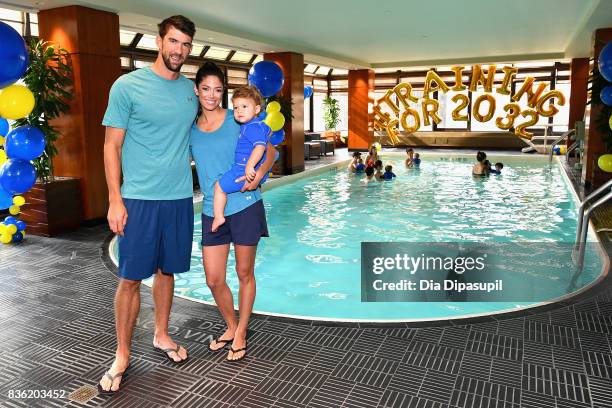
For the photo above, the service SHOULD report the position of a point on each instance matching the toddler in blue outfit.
(250, 150)
(388, 175)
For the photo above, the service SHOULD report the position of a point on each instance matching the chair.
(312, 150)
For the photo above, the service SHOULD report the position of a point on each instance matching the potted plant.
(53, 205)
(331, 117)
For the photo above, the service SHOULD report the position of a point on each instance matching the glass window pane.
(196, 49)
(560, 120)
(323, 70)
(310, 68)
(189, 69)
(33, 18)
(339, 71)
(34, 29)
(6, 14)
(343, 105)
(142, 64)
(237, 73)
(500, 102)
(147, 42)
(259, 58)
(240, 56)
(446, 109)
(126, 37)
(230, 105)
(319, 123)
(125, 62)
(217, 53)
(307, 114)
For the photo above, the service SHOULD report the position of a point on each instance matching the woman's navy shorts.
(242, 228)
(158, 235)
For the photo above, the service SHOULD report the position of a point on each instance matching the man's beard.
(168, 63)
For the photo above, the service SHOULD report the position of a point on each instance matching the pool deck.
(57, 333)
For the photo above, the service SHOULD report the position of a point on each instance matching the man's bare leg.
(127, 307)
(163, 292)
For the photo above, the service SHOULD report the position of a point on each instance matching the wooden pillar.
(92, 39)
(360, 131)
(592, 175)
(579, 81)
(293, 89)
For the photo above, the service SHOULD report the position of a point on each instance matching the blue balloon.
(262, 115)
(267, 77)
(276, 155)
(4, 127)
(17, 176)
(10, 220)
(25, 142)
(17, 237)
(307, 92)
(606, 95)
(605, 62)
(13, 55)
(277, 137)
(21, 225)
(6, 199)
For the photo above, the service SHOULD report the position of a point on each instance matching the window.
(240, 56)
(319, 123)
(126, 37)
(147, 42)
(217, 53)
(447, 105)
(342, 98)
(196, 49)
(561, 119)
(307, 114)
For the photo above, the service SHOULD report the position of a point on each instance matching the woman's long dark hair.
(209, 69)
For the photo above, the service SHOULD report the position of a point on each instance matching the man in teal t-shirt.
(148, 120)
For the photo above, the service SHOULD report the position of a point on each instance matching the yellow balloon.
(2, 228)
(23, 233)
(275, 120)
(14, 210)
(6, 238)
(610, 121)
(18, 201)
(273, 107)
(3, 157)
(11, 229)
(16, 102)
(377, 146)
(562, 149)
(605, 163)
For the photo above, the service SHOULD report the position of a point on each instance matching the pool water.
(309, 267)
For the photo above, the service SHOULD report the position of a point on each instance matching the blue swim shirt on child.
(214, 153)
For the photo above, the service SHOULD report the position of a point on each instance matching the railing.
(584, 214)
(558, 140)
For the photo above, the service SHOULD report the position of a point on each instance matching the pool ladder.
(584, 214)
(560, 139)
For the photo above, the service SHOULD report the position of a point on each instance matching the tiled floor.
(57, 333)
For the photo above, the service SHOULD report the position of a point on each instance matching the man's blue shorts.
(242, 228)
(158, 235)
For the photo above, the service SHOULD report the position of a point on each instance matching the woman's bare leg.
(245, 268)
(215, 265)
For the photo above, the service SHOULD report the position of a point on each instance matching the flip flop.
(237, 351)
(112, 379)
(218, 340)
(167, 352)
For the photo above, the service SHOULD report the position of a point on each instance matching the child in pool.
(498, 168)
(360, 167)
(250, 150)
(369, 172)
(388, 173)
(415, 162)
(378, 166)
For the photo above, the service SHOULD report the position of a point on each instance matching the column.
(92, 39)
(292, 150)
(360, 131)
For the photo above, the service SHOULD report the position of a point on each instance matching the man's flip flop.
(218, 340)
(237, 351)
(112, 379)
(167, 352)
